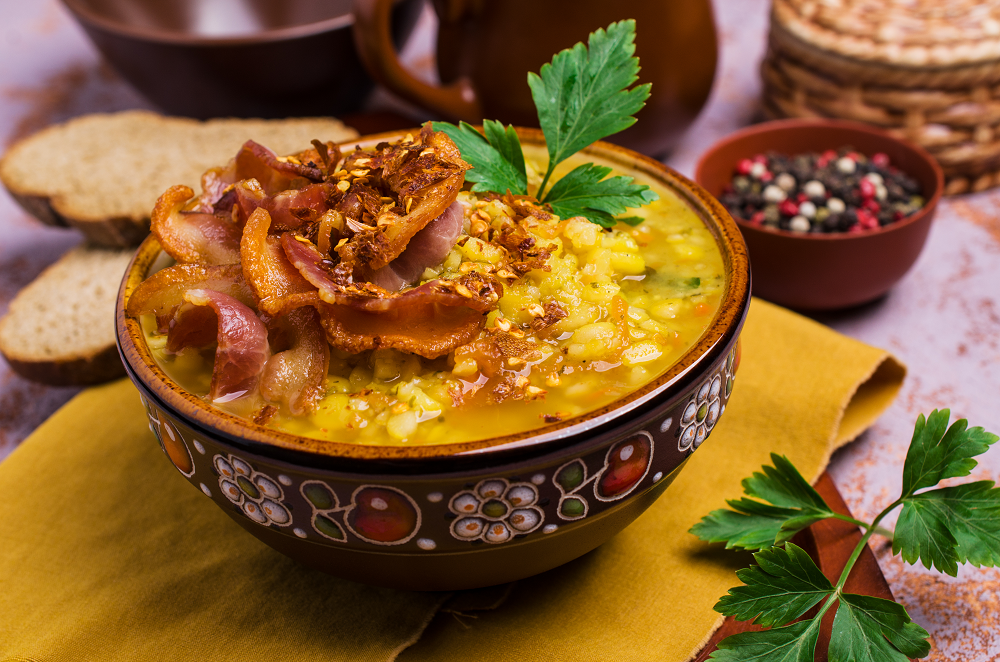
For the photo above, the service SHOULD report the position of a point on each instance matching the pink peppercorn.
(757, 218)
(788, 208)
(866, 220)
(767, 176)
(744, 166)
(872, 206)
(881, 159)
(760, 158)
(867, 189)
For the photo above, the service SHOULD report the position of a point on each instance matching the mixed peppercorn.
(836, 191)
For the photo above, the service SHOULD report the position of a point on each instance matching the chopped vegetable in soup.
(536, 319)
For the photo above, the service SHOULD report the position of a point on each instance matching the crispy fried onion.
(429, 320)
(163, 292)
(208, 317)
(395, 192)
(193, 236)
(294, 376)
(505, 358)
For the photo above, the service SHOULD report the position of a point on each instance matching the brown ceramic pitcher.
(485, 48)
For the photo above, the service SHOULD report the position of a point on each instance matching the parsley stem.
(861, 545)
(545, 180)
(864, 525)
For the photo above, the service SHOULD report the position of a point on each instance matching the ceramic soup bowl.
(461, 515)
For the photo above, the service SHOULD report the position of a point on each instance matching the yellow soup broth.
(635, 299)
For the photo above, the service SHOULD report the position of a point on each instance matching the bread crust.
(59, 329)
(101, 367)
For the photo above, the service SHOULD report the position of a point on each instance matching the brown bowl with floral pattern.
(461, 515)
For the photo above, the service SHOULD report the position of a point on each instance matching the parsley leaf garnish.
(783, 585)
(869, 628)
(581, 96)
(497, 159)
(939, 527)
(793, 643)
(953, 525)
(937, 452)
(583, 193)
(794, 505)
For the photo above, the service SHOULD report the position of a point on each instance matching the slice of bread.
(60, 329)
(103, 173)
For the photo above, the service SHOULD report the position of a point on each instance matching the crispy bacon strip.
(273, 279)
(427, 249)
(290, 209)
(294, 376)
(163, 292)
(255, 161)
(477, 291)
(423, 178)
(429, 332)
(429, 320)
(242, 340)
(193, 237)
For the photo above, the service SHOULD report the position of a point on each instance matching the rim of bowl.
(777, 126)
(722, 329)
(86, 15)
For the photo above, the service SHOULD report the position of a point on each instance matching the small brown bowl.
(826, 271)
(260, 58)
(455, 516)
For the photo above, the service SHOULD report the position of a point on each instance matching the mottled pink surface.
(942, 320)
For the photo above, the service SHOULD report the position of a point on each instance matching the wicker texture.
(926, 71)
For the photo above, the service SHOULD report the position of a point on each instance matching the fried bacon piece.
(289, 210)
(421, 179)
(294, 376)
(429, 320)
(427, 331)
(275, 174)
(479, 292)
(163, 292)
(190, 236)
(277, 284)
(427, 249)
(242, 350)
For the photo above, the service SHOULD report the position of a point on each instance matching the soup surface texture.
(615, 308)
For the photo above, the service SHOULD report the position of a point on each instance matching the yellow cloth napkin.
(105, 553)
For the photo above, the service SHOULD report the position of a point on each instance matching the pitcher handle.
(373, 37)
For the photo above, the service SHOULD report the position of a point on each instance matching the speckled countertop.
(942, 320)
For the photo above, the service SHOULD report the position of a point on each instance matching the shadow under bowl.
(461, 515)
(237, 58)
(826, 271)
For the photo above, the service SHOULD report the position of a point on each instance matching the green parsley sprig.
(939, 527)
(581, 96)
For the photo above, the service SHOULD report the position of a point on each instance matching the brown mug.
(485, 48)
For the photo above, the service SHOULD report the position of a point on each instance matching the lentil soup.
(614, 310)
